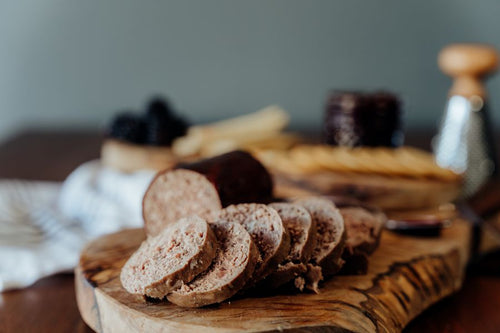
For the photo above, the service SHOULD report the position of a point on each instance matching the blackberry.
(179, 126)
(128, 127)
(162, 125)
(158, 107)
(161, 131)
(156, 134)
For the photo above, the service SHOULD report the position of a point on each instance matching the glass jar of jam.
(362, 119)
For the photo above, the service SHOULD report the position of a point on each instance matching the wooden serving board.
(406, 275)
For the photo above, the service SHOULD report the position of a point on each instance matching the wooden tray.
(406, 275)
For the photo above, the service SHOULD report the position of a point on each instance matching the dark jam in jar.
(362, 119)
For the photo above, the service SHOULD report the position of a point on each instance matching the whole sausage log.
(203, 188)
(237, 176)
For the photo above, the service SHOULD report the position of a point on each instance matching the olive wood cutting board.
(405, 276)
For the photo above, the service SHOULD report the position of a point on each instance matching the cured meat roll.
(237, 176)
(203, 188)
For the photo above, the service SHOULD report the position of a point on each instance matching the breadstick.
(271, 119)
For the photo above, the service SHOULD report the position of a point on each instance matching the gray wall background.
(74, 63)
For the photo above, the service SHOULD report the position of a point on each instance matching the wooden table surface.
(50, 305)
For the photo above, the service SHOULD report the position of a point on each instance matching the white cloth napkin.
(44, 225)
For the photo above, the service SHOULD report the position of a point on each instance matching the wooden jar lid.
(467, 64)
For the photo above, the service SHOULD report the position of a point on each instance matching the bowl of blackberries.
(158, 125)
(142, 140)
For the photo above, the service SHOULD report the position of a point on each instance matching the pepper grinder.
(465, 142)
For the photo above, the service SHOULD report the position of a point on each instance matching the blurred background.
(73, 64)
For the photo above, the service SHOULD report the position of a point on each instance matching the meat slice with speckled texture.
(363, 229)
(267, 230)
(302, 230)
(175, 256)
(232, 267)
(330, 232)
